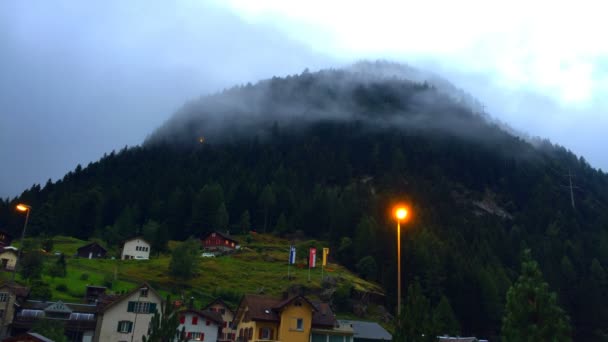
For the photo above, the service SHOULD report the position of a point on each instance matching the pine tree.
(415, 323)
(444, 319)
(163, 327)
(532, 312)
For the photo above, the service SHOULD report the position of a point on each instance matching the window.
(125, 326)
(265, 334)
(299, 324)
(223, 311)
(141, 307)
(297, 303)
(196, 336)
(194, 320)
(182, 319)
(207, 322)
(3, 296)
(143, 292)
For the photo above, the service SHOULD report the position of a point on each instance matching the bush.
(61, 288)
(84, 276)
(108, 280)
(40, 290)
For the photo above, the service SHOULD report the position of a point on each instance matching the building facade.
(135, 248)
(227, 333)
(219, 241)
(8, 259)
(200, 325)
(11, 297)
(128, 317)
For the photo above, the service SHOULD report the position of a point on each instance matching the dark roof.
(92, 244)
(20, 291)
(29, 336)
(214, 316)
(323, 316)
(75, 307)
(224, 235)
(265, 308)
(219, 301)
(368, 330)
(108, 304)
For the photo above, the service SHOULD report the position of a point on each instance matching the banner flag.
(325, 253)
(312, 258)
(292, 255)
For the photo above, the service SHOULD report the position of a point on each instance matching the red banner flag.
(312, 258)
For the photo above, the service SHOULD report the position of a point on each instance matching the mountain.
(326, 155)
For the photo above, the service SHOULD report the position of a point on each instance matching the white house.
(227, 333)
(200, 325)
(128, 317)
(135, 248)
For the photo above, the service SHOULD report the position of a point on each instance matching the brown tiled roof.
(260, 307)
(323, 316)
(280, 305)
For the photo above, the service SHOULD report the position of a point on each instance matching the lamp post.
(400, 214)
(23, 208)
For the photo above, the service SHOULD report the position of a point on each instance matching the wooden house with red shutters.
(217, 241)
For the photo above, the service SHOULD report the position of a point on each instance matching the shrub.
(61, 288)
(84, 276)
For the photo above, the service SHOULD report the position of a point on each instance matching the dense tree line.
(479, 197)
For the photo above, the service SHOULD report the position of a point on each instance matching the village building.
(78, 319)
(294, 319)
(227, 333)
(93, 294)
(200, 325)
(28, 337)
(92, 250)
(220, 242)
(135, 248)
(8, 258)
(12, 296)
(5, 238)
(128, 317)
(366, 331)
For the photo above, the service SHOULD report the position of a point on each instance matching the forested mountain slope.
(326, 155)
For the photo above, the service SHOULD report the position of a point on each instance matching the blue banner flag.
(292, 255)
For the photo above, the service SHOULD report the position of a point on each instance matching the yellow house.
(263, 318)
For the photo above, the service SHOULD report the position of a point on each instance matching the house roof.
(219, 301)
(368, 330)
(7, 250)
(213, 316)
(265, 308)
(136, 238)
(28, 336)
(59, 306)
(20, 291)
(92, 244)
(224, 235)
(111, 301)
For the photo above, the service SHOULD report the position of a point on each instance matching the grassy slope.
(259, 266)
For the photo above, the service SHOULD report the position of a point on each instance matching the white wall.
(130, 248)
(210, 330)
(107, 329)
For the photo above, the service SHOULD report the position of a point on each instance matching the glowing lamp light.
(401, 213)
(22, 207)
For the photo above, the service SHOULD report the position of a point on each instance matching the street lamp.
(401, 213)
(23, 208)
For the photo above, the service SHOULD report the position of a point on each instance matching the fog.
(79, 79)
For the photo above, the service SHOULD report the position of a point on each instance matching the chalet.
(135, 248)
(78, 319)
(127, 317)
(219, 306)
(219, 241)
(92, 250)
(12, 297)
(367, 331)
(200, 325)
(5, 238)
(8, 258)
(294, 319)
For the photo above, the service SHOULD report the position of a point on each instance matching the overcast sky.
(81, 78)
